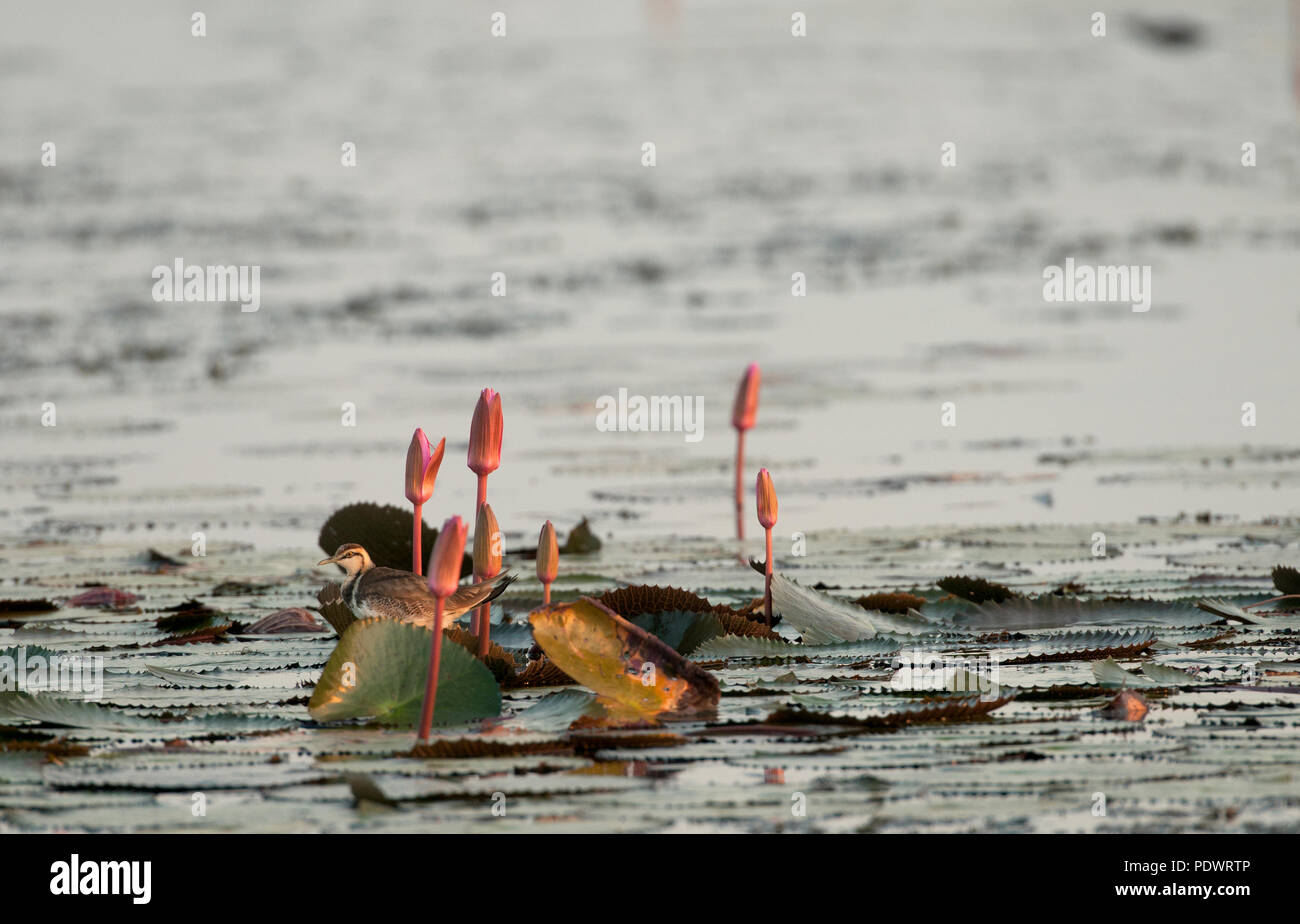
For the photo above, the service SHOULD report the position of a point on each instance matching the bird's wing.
(396, 595)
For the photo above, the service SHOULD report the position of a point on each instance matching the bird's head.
(351, 557)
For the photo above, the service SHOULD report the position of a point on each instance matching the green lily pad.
(682, 631)
(379, 671)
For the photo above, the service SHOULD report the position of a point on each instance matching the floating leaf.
(1051, 612)
(555, 712)
(818, 617)
(581, 540)
(1128, 706)
(191, 679)
(1108, 673)
(499, 661)
(976, 590)
(479, 747)
(934, 709)
(187, 617)
(23, 607)
(649, 598)
(1084, 648)
(1226, 610)
(389, 662)
(731, 646)
(682, 631)
(57, 710)
(215, 632)
(384, 531)
(1168, 676)
(106, 597)
(540, 673)
(891, 603)
(621, 661)
(295, 619)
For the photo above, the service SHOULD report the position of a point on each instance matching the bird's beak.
(327, 561)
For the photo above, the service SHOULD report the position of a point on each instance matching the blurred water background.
(522, 155)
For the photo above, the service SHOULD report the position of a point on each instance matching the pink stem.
(767, 580)
(1272, 600)
(480, 623)
(546, 593)
(740, 488)
(435, 661)
(417, 565)
(485, 626)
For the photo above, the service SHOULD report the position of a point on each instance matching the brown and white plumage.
(370, 590)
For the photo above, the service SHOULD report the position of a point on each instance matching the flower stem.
(484, 623)
(767, 580)
(481, 619)
(416, 535)
(435, 660)
(1272, 600)
(740, 489)
(546, 594)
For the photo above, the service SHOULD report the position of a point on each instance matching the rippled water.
(521, 155)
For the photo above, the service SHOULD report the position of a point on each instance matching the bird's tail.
(502, 583)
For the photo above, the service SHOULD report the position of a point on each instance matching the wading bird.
(370, 590)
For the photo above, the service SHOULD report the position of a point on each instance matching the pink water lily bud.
(487, 544)
(422, 464)
(548, 554)
(745, 411)
(766, 500)
(446, 557)
(485, 434)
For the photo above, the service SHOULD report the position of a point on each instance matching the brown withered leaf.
(622, 662)
(185, 617)
(499, 661)
(216, 633)
(976, 590)
(1128, 706)
(25, 607)
(465, 748)
(586, 744)
(891, 603)
(540, 673)
(931, 709)
(294, 619)
(107, 597)
(650, 598)
(1127, 645)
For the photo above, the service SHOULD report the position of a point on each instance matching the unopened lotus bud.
(766, 495)
(485, 434)
(548, 554)
(446, 558)
(745, 411)
(422, 464)
(487, 544)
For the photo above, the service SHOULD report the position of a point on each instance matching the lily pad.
(682, 631)
(379, 670)
(622, 662)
